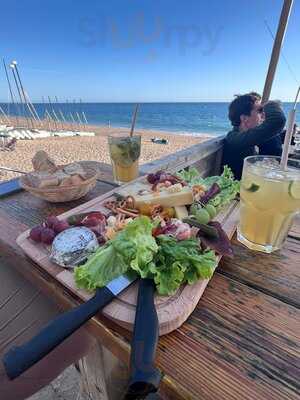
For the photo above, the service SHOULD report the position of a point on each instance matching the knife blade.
(144, 376)
(20, 358)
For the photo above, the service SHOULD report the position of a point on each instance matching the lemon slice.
(294, 190)
(253, 187)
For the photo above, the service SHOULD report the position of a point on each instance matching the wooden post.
(284, 17)
(103, 376)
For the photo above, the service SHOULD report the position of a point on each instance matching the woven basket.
(64, 193)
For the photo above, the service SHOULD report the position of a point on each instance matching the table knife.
(144, 376)
(20, 358)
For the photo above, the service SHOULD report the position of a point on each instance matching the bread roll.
(42, 162)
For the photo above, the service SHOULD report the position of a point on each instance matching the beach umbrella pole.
(282, 26)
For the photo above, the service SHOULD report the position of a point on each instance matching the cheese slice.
(165, 199)
(181, 212)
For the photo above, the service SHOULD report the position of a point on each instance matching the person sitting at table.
(272, 147)
(253, 124)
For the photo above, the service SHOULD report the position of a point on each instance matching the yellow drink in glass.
(270, 198)
(124, 153)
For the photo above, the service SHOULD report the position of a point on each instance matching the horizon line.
(130, 102)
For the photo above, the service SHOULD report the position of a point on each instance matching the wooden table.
(242, 340)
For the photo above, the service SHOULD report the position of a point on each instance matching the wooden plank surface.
(238, 344)
(295, 230)
(277, 274)
(260, 331)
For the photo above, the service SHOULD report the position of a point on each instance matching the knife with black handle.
(20, 358)
(144, 376)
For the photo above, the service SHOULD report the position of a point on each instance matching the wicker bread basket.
(61, 194)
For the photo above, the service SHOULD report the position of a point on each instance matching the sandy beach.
(66, 150)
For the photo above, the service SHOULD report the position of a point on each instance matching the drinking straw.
(289, 133)
(133, 120)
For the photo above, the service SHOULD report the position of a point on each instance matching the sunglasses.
(260, 109)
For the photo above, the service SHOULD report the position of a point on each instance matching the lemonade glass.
(124, 153)
(270, 199)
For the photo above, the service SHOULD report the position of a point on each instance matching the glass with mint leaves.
(124, 153)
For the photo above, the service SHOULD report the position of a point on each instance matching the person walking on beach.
(254, 125)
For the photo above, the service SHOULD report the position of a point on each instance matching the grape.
(35, 233)
(151, 178)
(60, 226)
(47, 235)
(202, 216)
(211, 210)
(51, 221)
(158, 174)
(92, 221)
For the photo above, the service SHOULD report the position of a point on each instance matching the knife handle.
(18, 359)
(144, 377)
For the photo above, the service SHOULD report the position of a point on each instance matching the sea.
(178, 118)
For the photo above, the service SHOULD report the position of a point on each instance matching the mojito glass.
(124, 153)
(270, 199)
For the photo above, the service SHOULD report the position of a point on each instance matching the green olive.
(194, 208)
(202, 216)
(211, 210)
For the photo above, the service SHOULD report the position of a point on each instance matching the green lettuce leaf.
(133, 248)
(137, 244)
(102, 267)
(189, 175)
(228, 185)
(177, 262)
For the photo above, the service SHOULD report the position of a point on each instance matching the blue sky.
(142, 50)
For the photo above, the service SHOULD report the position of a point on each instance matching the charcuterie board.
(172, 310)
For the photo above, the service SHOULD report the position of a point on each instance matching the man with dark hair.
(253, 125)
(272, 147)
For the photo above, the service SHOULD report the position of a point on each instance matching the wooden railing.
(206, 156)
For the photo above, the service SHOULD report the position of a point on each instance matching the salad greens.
(177, 262)
(132, 248)
(228, 185)
(166, 260)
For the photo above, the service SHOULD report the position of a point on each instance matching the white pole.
(5, 116)
(289, 133)
(20, 96)
(11, 92)
(14, 66)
